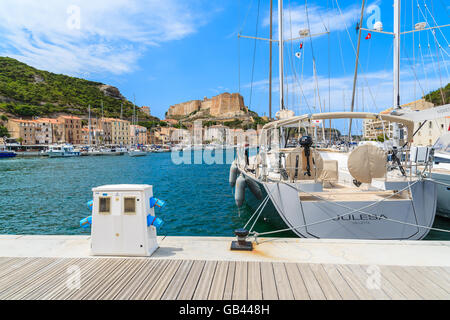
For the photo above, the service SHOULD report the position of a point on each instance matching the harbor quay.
(204, 268)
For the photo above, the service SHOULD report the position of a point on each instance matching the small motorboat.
(6, 153)
(137, 152)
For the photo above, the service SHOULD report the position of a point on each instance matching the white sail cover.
(428, 114)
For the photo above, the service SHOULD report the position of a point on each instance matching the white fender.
(233, 174)
(239, 195)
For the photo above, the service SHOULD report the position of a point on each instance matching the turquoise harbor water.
(48, 196)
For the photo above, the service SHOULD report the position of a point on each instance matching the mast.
(280, 52)
(89, 125)
(396, 82)
(396, 54)
(134, 109)
(270, 60)
(355, 77)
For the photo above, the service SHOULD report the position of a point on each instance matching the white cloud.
(319, 18)
(112, 34)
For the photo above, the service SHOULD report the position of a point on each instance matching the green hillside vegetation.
(436, 96)
(27, 92)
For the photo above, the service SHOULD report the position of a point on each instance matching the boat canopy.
(443, 143)
(294, 121)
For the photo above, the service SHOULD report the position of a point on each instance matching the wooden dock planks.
(137, 278)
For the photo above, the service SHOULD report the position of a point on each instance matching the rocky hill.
(440, 96)
(226, 108)
(26, 92)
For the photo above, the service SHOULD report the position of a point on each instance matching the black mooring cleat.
(241, 243)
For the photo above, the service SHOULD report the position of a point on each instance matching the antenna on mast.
(280, 52)
(270, 60)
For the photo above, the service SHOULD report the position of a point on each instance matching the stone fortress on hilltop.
(225, 105)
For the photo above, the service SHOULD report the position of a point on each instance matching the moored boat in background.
(6, 153)
(62, 151)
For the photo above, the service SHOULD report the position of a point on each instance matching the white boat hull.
(137, 153)
(63, 154)
(305, 217)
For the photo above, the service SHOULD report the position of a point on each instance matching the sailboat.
(328, 193)
(134, 150)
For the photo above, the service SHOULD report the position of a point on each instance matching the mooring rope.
(256, 211)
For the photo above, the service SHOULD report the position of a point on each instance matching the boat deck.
(200, 268)
(166, 279)
(341, 192)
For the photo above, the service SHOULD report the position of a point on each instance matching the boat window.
(129, 206)
(104, 205)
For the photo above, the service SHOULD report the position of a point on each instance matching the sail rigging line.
(437, 46)
(434, 69)
(299, 82)
(423, 67)
(429, 48)
(294, 71)
(354, 51)
(432, 31)
(445, 65)
(313, 56)
(413, 69)
(435, 23)
(314, 63)
(254, 54)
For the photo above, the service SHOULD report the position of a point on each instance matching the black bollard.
(241, 244)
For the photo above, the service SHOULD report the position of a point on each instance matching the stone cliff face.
(223, 105)
(112, 92)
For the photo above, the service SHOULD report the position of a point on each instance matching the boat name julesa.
(359, 217)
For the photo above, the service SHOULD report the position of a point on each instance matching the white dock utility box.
(119, 221)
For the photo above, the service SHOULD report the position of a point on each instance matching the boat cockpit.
(288, 154)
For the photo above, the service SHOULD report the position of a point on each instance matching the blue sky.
(171, 51)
